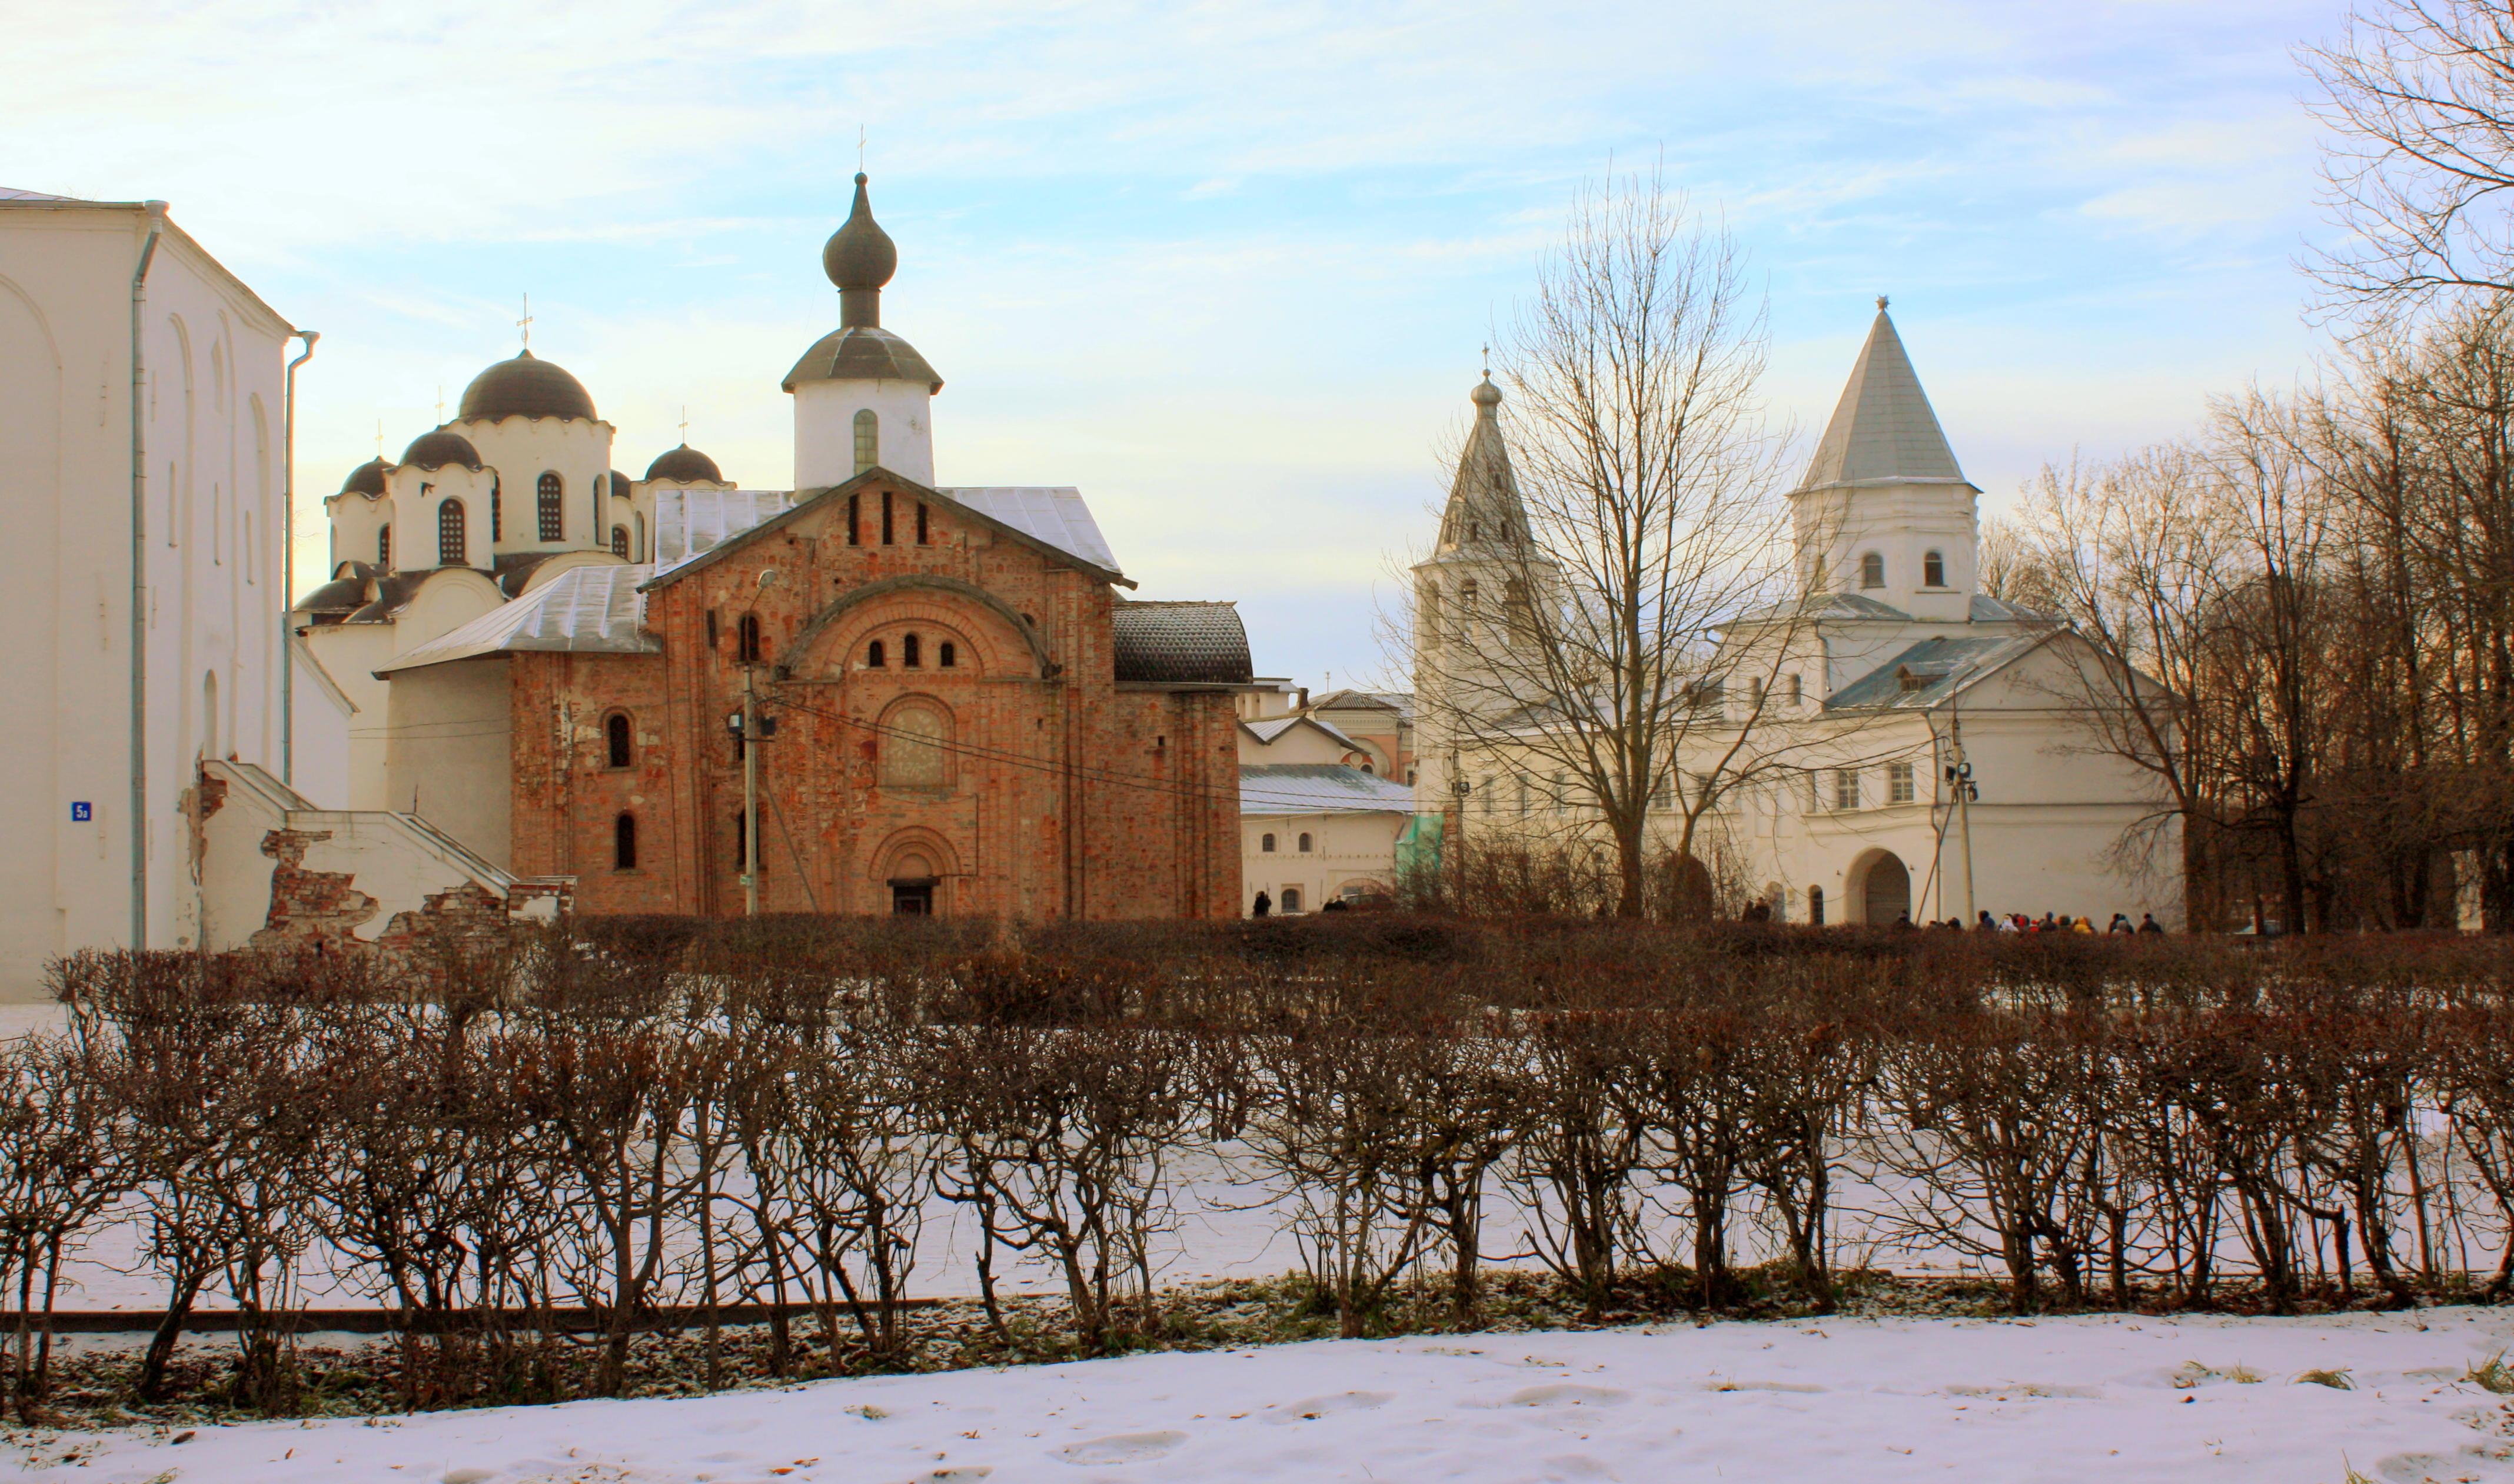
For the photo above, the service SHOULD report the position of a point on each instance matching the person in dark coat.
(2147, 923)
(1264, 906)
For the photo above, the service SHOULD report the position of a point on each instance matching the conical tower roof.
(1485, 508)
(1882, 429)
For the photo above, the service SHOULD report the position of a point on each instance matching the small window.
(623, 843)
(746, 639)
(923, 537)
(497, 515)
(616, 740)
(1816, 905)
(1305, 842)
(1662, 791)
(1797, 689)
(1845, 788)
(620, 541)
(1933, 570)
(711, 633)
(944, 656)
(1898, 782)
(1872, 569)
(912, 651)
(1523, 797)
(868, 440)
(855, 518)
(1266, 844)
(384, 546)
(876, 656)
(552, 508)
(1814, 792)
(1291, 899)
(887, 538)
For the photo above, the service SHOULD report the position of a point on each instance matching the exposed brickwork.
(308, 907)
(1059, 792)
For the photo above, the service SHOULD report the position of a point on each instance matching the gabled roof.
(1181, 643)
(1882, 429)
(583, 610)
(1400, 701)
(803, 499)
(1295, 788)
(1272, 727)
(1933, 671)
(1053, 513)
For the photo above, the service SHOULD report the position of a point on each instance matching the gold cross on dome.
(526, 323)
(686, 424)
(440, 404)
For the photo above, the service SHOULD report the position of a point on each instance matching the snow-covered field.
(1840, 1401)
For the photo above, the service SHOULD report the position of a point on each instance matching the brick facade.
(1023, 778)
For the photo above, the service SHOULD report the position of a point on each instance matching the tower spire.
(860, 258)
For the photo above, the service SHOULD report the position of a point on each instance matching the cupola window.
(497, 517)
(868, 440)
(1933, 570)
(620, 541)
(452, 539)
(912, 651)
(383, 548)
(552, 508)
(1872, 569)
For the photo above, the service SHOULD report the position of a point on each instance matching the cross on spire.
(526, 323)
(686, 424)
(380, 437)
(440, 404)
(860, 148)
(1881, 303)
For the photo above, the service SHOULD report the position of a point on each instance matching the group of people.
(2062, 922)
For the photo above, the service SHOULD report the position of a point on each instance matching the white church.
(1913, 749)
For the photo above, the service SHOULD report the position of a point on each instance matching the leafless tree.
(1645, 518)
(2419, 177)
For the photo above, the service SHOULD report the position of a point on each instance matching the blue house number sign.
(81, 811)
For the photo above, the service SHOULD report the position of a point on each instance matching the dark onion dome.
(526, 387)
(367, 478)
(436, 449)
(860, 255)
(685, 465)
(619, 485)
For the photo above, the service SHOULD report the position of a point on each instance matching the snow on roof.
(1284, 788)
(583, 610)
(690, 523)
(1052, 513)
(1931, 670)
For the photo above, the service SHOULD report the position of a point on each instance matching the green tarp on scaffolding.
(1418, 849)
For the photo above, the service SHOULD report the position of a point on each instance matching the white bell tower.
(862, 396)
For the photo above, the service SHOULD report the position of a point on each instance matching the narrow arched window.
(616, 740)
(623, 843)
(384, 545)
(912, 651)
(868, 440)
(496, 514)
(1305, 842)
(746, 639)
(620, 541)
(923, 537)
(453, 539)
(876, 656)
(1266, 844)
(1816, 905)
(916, 747)
(946, 656)
(855, 521)
(885, 518)
(1872, 569)
(552, 508)
(1933, 570)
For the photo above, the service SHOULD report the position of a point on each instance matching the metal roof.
(1181, 642)
(690, 523)
(583, 610)
(1288, 788)
(1882, 429)
(1932, 670)
(1272, 727)
(1400, 701)
(1051, 513)
(7, 193)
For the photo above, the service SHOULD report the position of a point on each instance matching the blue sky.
(1224, 266)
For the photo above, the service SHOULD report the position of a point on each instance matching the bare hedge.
(533, 1145)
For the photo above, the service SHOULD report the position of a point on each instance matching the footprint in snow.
(1565, 1394)
(1316, 1406)
(1121, 1447)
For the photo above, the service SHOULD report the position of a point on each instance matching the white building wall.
(211, 414)
(825, 430)
(1346, 847)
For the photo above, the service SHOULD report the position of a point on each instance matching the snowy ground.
(2058, 1399)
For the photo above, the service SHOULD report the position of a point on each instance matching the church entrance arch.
(1882, 885)
(912, 870)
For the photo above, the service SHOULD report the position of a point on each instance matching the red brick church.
(957, 707)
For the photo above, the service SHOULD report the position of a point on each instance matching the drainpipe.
(140, 582)
(288, 572)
